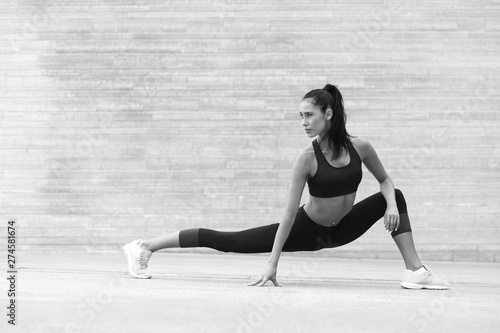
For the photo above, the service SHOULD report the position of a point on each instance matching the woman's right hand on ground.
(269, 273)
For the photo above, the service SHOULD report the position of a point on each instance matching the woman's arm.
(373, 164)
(295, 189)
(300, 173)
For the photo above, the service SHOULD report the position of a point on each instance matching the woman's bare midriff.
(329, 211)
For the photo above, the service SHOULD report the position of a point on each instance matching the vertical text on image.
(11, 272)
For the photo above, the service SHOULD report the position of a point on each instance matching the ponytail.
(330, 98)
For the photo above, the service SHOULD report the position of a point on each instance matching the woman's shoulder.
(359, 142)
(362, 146)
(306, 155)
(305, 158)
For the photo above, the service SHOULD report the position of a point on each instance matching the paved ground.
(77, 292)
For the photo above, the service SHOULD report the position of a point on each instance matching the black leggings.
(305, 235)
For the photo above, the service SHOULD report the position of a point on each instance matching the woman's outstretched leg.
(302, 237)
(253, 240)
(163, 242)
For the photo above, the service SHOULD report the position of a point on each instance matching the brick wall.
(128, 119)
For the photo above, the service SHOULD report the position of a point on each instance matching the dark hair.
(330, 98)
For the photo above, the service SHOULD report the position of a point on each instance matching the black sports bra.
(330, 181)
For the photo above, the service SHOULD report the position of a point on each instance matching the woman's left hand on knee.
(391, 219)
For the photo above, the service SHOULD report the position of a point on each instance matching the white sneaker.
(137, 259)
(423, 278)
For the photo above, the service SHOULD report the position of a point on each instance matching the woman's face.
(315, 123)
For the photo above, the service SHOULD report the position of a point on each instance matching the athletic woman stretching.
(331, 166)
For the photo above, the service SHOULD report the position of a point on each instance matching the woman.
(332, 169)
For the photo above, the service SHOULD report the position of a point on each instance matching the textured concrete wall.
(128, 119)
